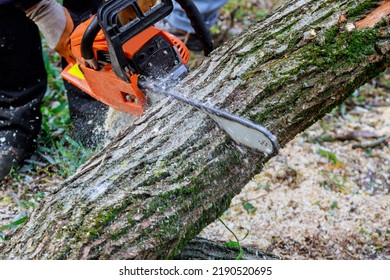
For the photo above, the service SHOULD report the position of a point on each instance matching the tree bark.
(156, 186)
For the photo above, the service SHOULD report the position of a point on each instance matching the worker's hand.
(56, 25)
(129, 14)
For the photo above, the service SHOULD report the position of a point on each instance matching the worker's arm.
(55, 23)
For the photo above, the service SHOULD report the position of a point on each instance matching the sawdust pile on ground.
(321, 198)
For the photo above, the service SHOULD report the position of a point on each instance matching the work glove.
(56, 25)
(129, 14)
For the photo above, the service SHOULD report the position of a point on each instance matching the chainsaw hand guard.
(117, 34)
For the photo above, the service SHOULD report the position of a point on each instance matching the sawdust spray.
(117, 122)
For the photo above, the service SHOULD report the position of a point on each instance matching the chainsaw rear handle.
(117, 35)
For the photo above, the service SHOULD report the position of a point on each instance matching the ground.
(325, 196)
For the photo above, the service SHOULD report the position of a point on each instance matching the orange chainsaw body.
(103, 84)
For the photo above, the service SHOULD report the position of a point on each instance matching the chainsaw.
(119, 63)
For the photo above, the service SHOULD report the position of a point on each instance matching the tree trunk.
(156, 186)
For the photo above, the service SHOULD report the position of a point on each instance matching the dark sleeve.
(24, 4)
(3, 2)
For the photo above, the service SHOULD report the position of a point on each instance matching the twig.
(371, 144)
(255, 198)
(383, 85)
(224, 34)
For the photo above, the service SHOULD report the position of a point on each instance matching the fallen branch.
(203, 249)
(371, 144)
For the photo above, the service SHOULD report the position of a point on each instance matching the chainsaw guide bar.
(242, 131)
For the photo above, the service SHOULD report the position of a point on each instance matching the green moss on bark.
(350, 48)
(361, 8)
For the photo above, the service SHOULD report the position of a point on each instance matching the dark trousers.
(23, 80)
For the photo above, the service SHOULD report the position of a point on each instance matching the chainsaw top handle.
(197, 23)
(116, 34)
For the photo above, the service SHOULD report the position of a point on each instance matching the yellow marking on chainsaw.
(75, 71)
